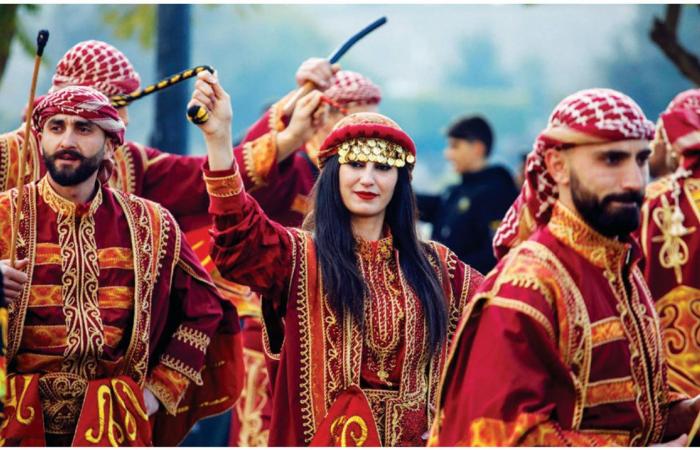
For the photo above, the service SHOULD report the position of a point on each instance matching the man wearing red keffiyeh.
(670, 241)
(117, 316)
(565, 323)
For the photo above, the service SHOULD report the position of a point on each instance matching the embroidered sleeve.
(168, 386)
(257, 152)
(258, 157)
(248, 248)
(196, 306)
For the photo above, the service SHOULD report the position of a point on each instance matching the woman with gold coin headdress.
(358, 310)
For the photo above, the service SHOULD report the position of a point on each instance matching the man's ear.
(557, 163)
(109, 148)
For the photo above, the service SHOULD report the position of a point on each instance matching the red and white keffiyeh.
(681, 124)
(591, 116)
(351, 88)
(82, 101)
(98, 65)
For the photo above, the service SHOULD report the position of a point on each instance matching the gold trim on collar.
(62, 205)
(603, 252)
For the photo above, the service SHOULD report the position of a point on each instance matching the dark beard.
(601, 215)
(73, 176)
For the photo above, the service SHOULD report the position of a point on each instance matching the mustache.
(636, 197)
(68, 152)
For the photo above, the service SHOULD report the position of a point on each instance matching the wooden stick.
(693, 430)
(302, 91)
(41, 40)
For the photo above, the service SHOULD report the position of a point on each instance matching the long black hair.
(336, 251)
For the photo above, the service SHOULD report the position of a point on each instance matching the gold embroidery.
(674, 251)
(679, 311)
(117, 297)
(227, 186)
(26, 248)
(615, 390)
(45, 295)
(61, 400)
(192, 337)
(80, 274)
(150, 227)
(341, 429)
(47, 253)
(179, 366)
(169, 386)
(116, 258)
(259, 156)
(384, 314)
(124, 175)
(252, 400)
(599, 250)
(607, 330)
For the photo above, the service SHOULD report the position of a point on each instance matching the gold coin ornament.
(374, 150)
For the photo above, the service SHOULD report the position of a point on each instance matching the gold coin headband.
(374, 150)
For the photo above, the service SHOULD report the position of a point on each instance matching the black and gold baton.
(121, 100)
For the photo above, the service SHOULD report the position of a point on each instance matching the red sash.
(349, 423)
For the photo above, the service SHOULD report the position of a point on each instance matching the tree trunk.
(8, 27)
(173, 55)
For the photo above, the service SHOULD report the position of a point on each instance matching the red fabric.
(98, 65)
(671, 269)
(532, 402)
(681, 123)
(80, 101)
(349, 423)
(280, 264)
(21, 421)
(348, 87)
(591, 116)
(370, 125)
(113, 414)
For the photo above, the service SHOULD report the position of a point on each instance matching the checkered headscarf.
(351, 88)
(98, 65)
(681, 124)
(82, 101)
(591, 116)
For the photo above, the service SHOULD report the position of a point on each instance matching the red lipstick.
(366, 195)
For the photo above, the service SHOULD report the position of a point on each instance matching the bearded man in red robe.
(115, 319)
(561, 344)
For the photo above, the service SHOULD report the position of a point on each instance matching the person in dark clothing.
(466, 215)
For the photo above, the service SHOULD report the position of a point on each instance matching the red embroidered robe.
(671, 269)
(116, 302)
(319, 356)
(560, 346)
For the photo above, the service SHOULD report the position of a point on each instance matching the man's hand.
(152, 403)
(217, 130)
(13, 278)
(317, 70)
(302, 125)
